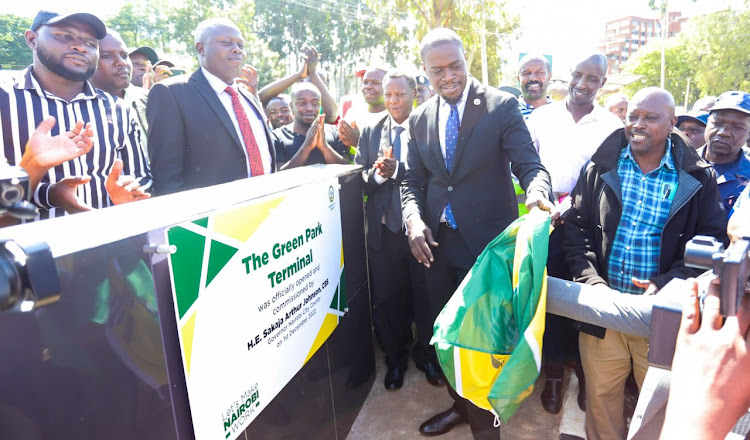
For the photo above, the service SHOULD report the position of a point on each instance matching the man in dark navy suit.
(458, 190)
(397, 278)
(204, 129)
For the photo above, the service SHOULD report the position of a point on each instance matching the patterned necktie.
(253, 152)
(451, 138)
(393, 212)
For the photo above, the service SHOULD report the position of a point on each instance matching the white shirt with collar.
(404, 147)
(565, 145)
(444, 110)
(256, 122)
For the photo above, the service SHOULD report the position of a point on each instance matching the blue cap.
(422, 81)
(697, 116)
(739, 101)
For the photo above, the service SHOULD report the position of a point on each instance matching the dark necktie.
(253, 152)
(451, 138)
(397, 142)
(393, 212)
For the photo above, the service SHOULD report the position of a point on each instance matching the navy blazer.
(192, 141)
(373, 139)
(492, 139)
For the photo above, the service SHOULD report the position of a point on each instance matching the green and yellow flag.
(488, 336)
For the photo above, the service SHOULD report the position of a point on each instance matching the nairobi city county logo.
(330, 193)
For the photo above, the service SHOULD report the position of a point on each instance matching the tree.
(14, 53)
(139, 24)
(469, 18)
(719, 43)
(711, 51)
(679, 68)
(345, 33)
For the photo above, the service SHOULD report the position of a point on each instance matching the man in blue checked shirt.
(643, 195)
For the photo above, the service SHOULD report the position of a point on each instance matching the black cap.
(149, 52)
(164, 63)
(45, 17)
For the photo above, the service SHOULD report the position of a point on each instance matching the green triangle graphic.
(219, 256)
(202, 222)
(335, 300)
(186, 266)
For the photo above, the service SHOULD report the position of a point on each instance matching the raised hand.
(249, 78)
(123, 189)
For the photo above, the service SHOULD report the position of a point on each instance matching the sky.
(560, 28)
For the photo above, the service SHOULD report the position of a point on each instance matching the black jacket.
(591, 225)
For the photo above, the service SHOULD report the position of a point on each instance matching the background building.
(624, 36)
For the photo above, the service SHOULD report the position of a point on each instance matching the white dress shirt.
(565, 145)
(256, 122)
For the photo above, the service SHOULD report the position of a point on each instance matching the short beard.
(54, 65)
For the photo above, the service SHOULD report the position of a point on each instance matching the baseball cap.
(47, 17)
(164, 63)
(423, 81)
(149, 52)
(698, 116)
(735, 100)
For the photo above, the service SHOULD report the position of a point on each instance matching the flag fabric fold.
(488, 337)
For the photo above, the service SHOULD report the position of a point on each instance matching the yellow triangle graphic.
(342, 255)
(329, 324)
(187, 340)
(240, 224)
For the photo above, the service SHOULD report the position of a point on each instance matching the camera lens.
(11, 194)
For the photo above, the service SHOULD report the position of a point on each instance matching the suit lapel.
(476, 103)
(433, 134)
(204, 88)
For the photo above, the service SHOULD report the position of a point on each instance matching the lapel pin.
(477, 101)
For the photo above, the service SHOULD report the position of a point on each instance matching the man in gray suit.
(458, 189)
(204, 129)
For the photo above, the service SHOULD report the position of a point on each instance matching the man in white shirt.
(203, 129)
(398, 279)
(566, 133)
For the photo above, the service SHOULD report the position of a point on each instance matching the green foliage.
(345, 33)
(711, 51)
(719, 46)
(679, 67)
(169, 30)
(468, 18)
(140, 26)
(14, 53)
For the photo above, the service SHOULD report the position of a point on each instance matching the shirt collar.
(394, 124)
(667, 160)
(28, 81)
(218, 85)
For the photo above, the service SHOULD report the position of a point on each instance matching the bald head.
(650, 120)
(655, 96)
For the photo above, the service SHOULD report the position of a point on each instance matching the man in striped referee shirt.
(115, 171)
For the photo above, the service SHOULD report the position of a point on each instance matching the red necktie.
(253, 152)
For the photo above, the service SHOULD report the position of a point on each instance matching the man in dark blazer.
(204, 129)
(398, 279)
(458, 190)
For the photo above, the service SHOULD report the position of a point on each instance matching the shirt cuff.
(41, 196)
(378, 178)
